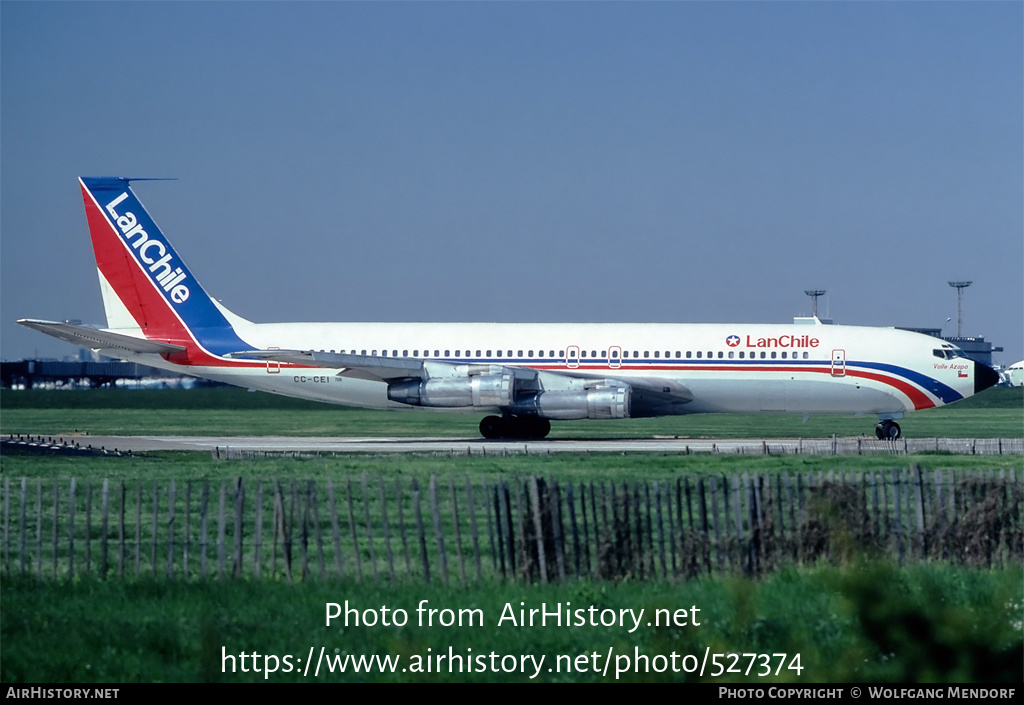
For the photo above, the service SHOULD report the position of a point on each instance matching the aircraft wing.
(372, 367)
(651, 395)
(99, 339)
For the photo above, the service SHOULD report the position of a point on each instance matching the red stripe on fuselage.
(916, 396)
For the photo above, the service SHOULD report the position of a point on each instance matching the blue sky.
(687, 161)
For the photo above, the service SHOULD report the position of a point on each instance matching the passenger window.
(741, 354)
(657, 353)
(699, 354)
(720, 356)
(447, 353)
(458, 353)
(529, 353)
(783, 354)
(520, 353)
(773, 354)
(762, 355)
(731, 353)
(806, 356)
(478, 353)
(499, 353)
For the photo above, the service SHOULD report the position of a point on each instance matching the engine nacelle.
(605, 402)
(480, 390)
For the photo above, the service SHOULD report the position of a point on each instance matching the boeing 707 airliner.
(523, 376)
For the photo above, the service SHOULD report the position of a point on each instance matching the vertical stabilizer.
(146, 286)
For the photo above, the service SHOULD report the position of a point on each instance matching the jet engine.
(480, 390)
(607, 401)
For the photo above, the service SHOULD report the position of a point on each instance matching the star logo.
(732, 341)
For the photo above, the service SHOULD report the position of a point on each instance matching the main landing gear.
(525, 427)
(887, 430)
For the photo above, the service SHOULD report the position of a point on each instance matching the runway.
(475, 446)
(235, 446)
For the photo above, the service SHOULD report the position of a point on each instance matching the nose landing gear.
(887, 430)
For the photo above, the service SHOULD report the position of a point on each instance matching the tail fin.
(145, 284)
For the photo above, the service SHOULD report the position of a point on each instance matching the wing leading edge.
(491, 385)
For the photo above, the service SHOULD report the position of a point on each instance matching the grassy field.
(184, 465)
(998, 412)
(866, 623)
(858, 623)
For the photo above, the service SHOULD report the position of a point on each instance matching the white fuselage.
(727, 367)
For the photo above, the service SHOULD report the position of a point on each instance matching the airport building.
(84, 374)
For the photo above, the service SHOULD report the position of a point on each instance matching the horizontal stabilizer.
(99, 339)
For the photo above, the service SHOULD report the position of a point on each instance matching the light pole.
(960, 286)
(814, 294)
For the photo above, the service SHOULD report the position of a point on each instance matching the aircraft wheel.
(888, 430)
(542, 428)
(535, 428)
(492, 427)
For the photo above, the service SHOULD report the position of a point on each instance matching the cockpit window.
(948, 353)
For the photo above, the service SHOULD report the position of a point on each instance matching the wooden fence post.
(419, 529)
(104, 546)
(335, 531)
(170, 530)
(384, 526)
(473, 528)
(352, 530)
(239, 508)
(401, 525)
(538, 530)
(369, 529)
(438, 536)
(257, 547)
(458, 533)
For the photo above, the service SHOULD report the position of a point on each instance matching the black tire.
(541, 428)
(888, 430)
(492, 427)
(526, 428)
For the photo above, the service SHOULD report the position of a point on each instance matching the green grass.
(870, 623)
(185, 465)
(144, 631)
(995, 413)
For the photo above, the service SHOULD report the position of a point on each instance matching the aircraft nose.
(984, 377)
